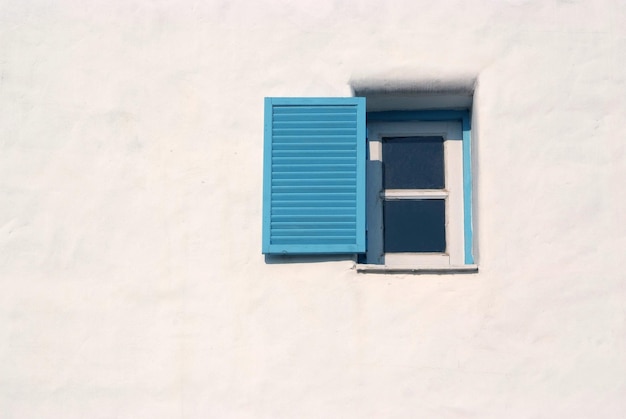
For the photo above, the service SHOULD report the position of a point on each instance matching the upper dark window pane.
(413, 163)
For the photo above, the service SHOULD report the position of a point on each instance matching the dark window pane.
(415, 225)
(413, 163)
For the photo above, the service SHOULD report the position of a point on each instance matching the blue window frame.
(464, 118)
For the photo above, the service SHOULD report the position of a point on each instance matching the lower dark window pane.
(415, 225)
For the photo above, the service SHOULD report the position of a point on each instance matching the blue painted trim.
(359, 101)
(361, 207)
(445, 115)
(467, 188)
(309, 249)
(267, 175)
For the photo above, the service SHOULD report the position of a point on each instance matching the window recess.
(416, 193)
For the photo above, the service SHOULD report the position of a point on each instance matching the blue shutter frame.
(314, 176)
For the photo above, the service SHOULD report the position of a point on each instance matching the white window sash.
(452, 193)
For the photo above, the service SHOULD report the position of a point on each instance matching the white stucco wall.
(131, 279)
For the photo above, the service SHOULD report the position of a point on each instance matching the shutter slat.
(323, 218)
(297, 153)
(314, 195)
(314, 132)
(314, 160)
(313, 221)
(305, 167)
(311, 211)
(313, 175)
(313, 230)
(314, 179)
(314, 109)
(316, 240)
(311, 116)
(278, 203)
(295, 169)
(296, 124)
(302, 228)
(278, 183)
(316, 189)
(314, 139)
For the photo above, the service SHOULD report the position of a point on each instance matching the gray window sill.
(385, 269)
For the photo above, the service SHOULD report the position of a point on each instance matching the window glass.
(413, 163)
(414, 225)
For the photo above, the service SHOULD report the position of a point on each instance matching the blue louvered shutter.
(314, 176)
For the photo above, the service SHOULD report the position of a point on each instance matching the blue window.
(394, 186)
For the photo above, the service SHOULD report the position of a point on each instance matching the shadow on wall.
(282, 259)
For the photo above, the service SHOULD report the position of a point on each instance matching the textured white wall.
(131, 279)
